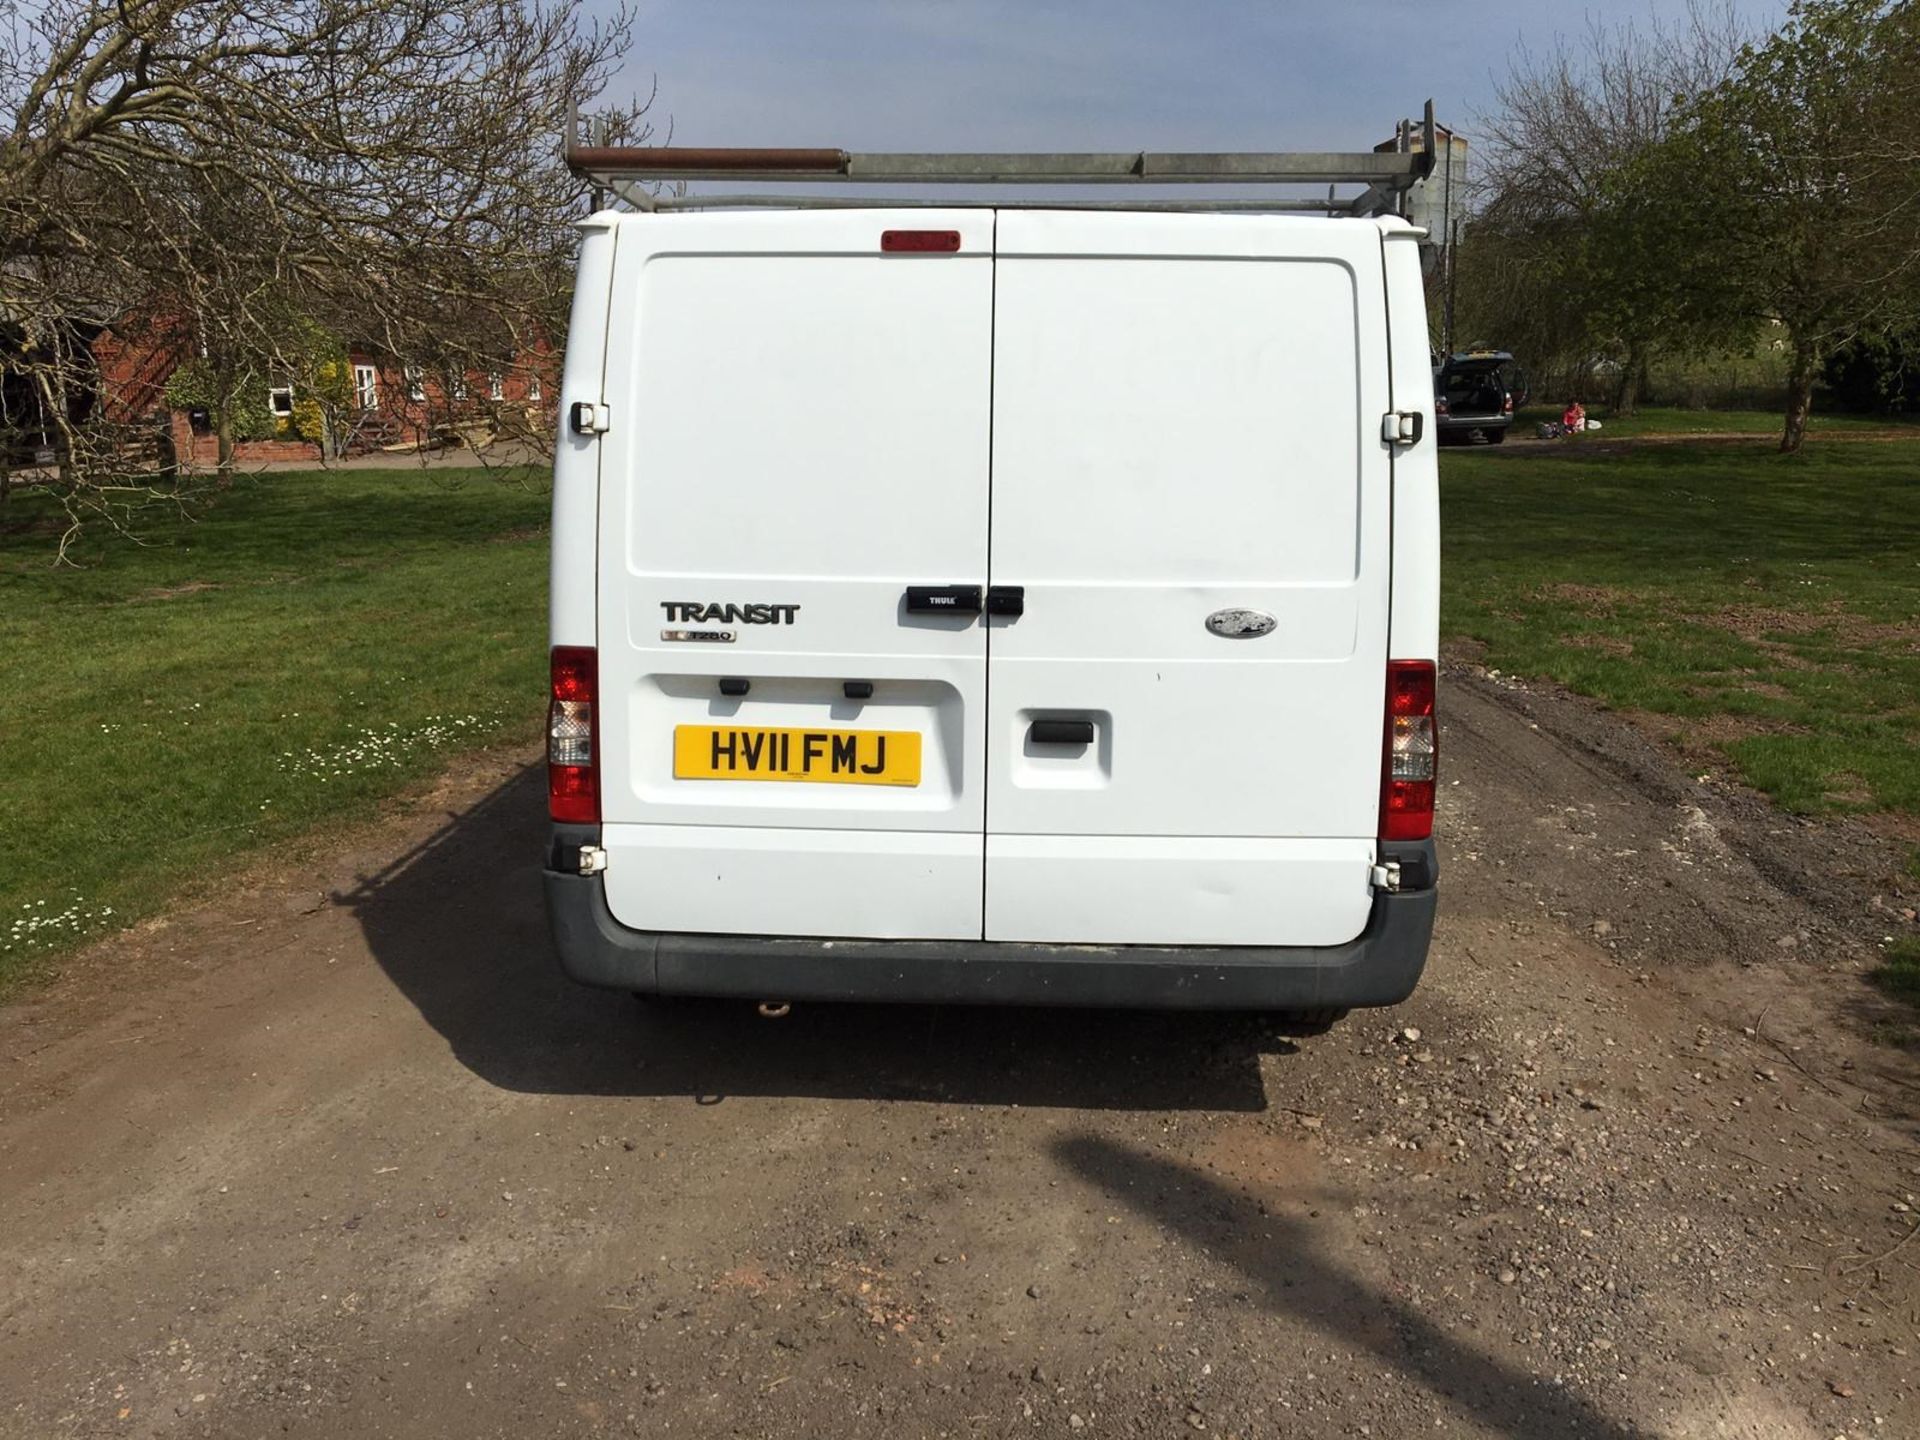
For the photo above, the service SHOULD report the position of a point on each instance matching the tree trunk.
(1626, 386)
(1799, 395)
(167, 452)
(223, 426)
(223, 433)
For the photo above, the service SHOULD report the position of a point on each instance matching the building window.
(366, 387)
(458, 389)
(416, 384)
(533, 388)
(496, 385)
(280, 401)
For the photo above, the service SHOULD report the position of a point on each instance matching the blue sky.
(1130, 74)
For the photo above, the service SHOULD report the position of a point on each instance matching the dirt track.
(345, 1156)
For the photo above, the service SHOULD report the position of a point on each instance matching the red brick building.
(394, 405)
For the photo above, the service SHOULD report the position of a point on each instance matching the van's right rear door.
(1187, 427)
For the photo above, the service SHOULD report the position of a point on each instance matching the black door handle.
(943, 599)
(1006, 599)
(1061, 732)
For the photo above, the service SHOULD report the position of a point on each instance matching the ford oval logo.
(1241, 624)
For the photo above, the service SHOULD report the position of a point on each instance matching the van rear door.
(798, 434)
(1190, 488)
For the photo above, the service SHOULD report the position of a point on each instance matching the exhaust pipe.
(775, 1009)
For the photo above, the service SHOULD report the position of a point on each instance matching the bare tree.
(1564, 126)
(222, 178)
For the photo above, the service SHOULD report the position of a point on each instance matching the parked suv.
(1473, 397)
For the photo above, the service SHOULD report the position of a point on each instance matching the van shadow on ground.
(459, 925)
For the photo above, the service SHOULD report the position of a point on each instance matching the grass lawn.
(320, 640)
(1900, 973)
(1766, 607)
(1659, 420)
(313, 644)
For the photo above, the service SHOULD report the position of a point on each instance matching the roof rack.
(1385, 176)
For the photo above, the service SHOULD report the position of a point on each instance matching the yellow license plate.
(846, 757)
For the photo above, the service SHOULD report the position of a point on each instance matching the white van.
(995, 604)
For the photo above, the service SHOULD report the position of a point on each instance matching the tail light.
(573, 782)
(1413, 752)
(1439, 407)
(1506, 405)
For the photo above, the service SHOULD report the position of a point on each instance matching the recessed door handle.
(1061, 732)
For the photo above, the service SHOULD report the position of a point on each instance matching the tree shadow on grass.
(459, 924)
(1292, 1274)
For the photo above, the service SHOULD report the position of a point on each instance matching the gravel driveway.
(343, 1155)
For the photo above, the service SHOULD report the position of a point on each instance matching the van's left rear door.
(799, 432)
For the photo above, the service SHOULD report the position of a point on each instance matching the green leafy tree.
(235, 399)
(1783, 200)
(315, 365)
(1878, 372)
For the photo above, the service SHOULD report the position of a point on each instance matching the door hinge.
(592, 859)
(588, 418)
(1387, 876)
(1402, 427)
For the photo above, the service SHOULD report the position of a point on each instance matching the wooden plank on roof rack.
(673, 162)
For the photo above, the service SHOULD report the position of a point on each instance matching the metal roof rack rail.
(1385, 176)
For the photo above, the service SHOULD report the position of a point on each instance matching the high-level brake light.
(573, 780)
(935, 241)
(1412, 761)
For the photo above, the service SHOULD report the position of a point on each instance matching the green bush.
(195, 386)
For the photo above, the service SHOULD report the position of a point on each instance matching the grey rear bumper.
(1378, 967)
